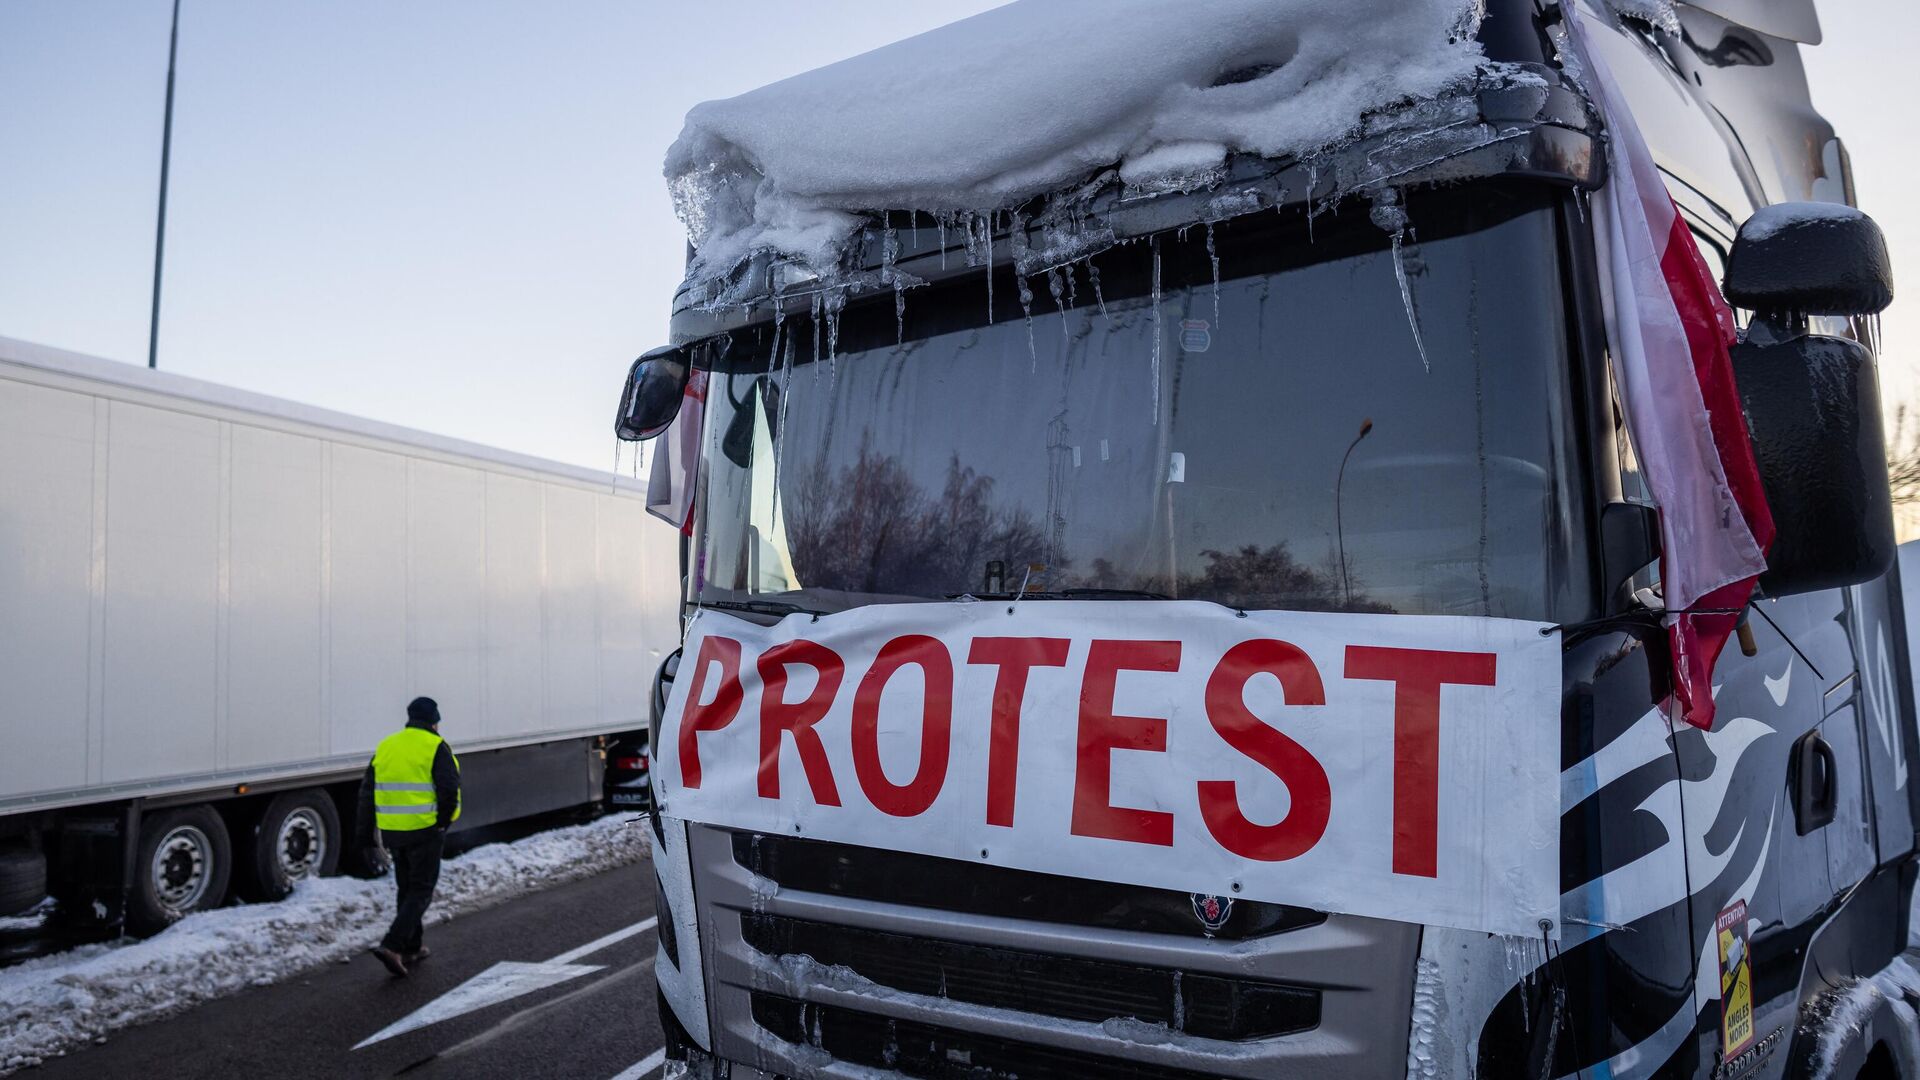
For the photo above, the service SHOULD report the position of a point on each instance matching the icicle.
(890, 274)
(1073, 299)
(1213, 256)
(1390, 215)
(1313, 181)
(1059, 291)
(1179, 1003)
(1157, 335)
(816, 340)
(1093, 275)
(1022, 252)
(1406, 297)
(989, 230)
(835, 304)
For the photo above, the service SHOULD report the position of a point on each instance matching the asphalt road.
(594, 1024)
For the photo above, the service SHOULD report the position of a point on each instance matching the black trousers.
(416, 870)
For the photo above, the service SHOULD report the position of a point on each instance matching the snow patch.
(1040, 95)
(1428, 1021)
(1847, 1016)
(30, 920)
(53, 1004)
(1770, 221)
(1659, 14)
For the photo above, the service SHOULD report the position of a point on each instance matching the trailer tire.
(297, 837)
(23, 880)
(182, 866)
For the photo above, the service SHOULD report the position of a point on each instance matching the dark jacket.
(446, 793)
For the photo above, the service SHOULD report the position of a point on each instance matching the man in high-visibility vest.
(411, 791)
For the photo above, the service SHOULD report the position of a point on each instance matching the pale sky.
(449, 214)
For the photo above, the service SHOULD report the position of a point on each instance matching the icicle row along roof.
(1041, 95)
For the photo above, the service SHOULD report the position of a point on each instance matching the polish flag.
(676, 460)
(1670, 331)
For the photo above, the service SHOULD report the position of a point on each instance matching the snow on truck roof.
(1038, 95)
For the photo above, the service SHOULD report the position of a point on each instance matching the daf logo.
(1212, 911)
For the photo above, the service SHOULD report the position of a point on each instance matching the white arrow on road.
(505, 981)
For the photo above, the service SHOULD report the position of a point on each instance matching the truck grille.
(927, 1052)
(953, 969)
(1068, 988)
(925, 881)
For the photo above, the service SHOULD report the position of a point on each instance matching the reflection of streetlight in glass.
(1339, 528)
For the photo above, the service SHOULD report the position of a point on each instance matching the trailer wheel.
(184, 861)
(23, 879)
(298, 837)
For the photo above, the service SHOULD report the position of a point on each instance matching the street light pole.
(1339, 525)
(160, 230)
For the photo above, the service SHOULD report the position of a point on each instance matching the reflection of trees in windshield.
(870, 529)
(1248, 577)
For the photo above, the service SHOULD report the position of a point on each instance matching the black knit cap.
(423, 712)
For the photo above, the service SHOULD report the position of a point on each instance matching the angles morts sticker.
(1736, 980)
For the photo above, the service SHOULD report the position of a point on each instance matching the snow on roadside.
(56, 1003)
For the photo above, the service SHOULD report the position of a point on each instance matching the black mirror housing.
(1813, 410)
(651, 398)
(1803, 259)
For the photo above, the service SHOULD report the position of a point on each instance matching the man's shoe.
(393, 961)
(418, 955)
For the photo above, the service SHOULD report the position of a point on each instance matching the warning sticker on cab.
(1395, 766)
(1736, 981)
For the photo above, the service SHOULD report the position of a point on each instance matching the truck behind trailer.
(213, 604)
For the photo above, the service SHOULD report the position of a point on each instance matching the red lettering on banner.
(1310, 800)
(798, 717)
(1417, 676)
(715, 714)
(1102, 732)
(1016, 658)
(936, 726)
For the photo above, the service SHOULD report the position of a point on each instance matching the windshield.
(1241, 415)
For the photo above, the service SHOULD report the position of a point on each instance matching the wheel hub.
(179, 869)
(302, 845)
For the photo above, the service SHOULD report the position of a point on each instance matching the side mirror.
(1813, 409)
(1813, 402)
(651, 399)
(1799, 259)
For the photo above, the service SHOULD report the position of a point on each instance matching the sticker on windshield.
(1195, 336)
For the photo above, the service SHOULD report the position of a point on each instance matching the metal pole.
(160, 229)
(1339, 525)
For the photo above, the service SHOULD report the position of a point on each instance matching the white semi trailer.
(213, 604)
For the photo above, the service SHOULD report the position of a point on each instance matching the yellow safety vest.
(403, 796)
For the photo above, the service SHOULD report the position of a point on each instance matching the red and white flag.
(676, 459)
(1670, 330)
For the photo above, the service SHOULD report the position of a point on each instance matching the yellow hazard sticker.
(1736, 981)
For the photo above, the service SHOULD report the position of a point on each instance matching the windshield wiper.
(1069, 594)
(758, 607)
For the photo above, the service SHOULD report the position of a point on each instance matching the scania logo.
(1212, 911)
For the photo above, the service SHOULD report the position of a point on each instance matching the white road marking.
(505, 981)
(595, 946)
(645, 1067)
(501, 982)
